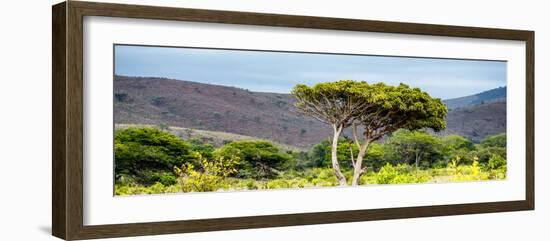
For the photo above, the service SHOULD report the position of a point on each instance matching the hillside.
(489, 96)
(216, 108)
(477, 121)
(261, 115)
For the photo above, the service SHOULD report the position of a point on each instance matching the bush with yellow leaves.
(210, 176)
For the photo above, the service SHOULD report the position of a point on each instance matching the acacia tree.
(392, 108)
(379, 109)
(336, 104)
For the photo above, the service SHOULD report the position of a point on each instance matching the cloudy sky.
(279, 71)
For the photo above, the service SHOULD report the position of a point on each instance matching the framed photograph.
(171, 120)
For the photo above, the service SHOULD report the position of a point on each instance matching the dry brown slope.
(212, 107)
(263, 115)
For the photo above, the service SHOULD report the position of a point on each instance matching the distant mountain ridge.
(485, 97)
(186, 104)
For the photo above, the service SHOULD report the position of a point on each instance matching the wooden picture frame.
(67, 124)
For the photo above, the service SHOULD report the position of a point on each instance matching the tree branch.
(354, 130)
(351, 152)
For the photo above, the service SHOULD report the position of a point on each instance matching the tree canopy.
(380, 108)
(139, 150)
(395, 107)
(334, 103)
(495, 141)
(415, 146)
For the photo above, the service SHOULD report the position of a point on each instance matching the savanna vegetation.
(393, 140)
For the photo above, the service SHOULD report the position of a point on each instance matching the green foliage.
(319, 153)
(468, 173)
(495, 141)
(330, 102)
(415, 147)
(394, 107)
(496, 162)
(376, 156)
(321, 177)
(321, 157)
(492, 147)
(486, 153)
(278, 183)
(199, 181)
(210, 175)
(142, 150)
(456, 142)
(260, 159)
(205, 149)
(379, 108)
(132, 189)
(456, 146)
(149, 177)
(150, 161)
(343, 101)
(400, 174)
(346, 150)
(299, 160)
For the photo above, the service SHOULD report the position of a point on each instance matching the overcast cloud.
(279, 72)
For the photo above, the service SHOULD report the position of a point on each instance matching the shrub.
(259, 159)
(468, 172)
(159, 100)
(205, 149)
(209, 177)
(498, 140)
(165, 178)
(121, 96)
(400, 174)
(486, 153)
(143, 150)
(496, 162)
(456, 146)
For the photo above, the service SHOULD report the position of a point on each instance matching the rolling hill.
(477, 121)
(485, 97)
(186, 104)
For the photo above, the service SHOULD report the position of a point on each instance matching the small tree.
(259, 159)
(457, 146)
(334, 103)
(414, 146)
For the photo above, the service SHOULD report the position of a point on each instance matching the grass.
(324, 177)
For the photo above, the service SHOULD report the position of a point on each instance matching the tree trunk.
(417, 158)
(334, 156)
(358, 167)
